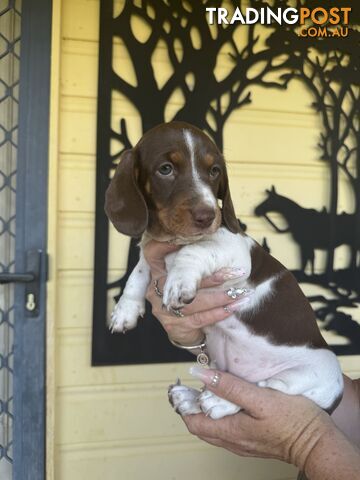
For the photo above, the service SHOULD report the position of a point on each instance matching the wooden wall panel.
(115, 422)
(174, 461)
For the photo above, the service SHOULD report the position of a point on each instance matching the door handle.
(32, 280)
(16, 277)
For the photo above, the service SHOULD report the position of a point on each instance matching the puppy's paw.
(275, 384)
(185, 400)
(125, 315)
(216, 407)
(179, 289)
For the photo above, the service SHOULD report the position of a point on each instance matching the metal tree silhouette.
(180, 29)
(329, 68)
(194, 48)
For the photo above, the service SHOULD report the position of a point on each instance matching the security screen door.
(24, 108)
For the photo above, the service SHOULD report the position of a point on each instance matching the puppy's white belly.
(233, 348)
(295, 370)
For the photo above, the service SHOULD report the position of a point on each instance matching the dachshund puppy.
(173, 186)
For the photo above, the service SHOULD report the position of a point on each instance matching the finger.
(232, 447)
(207, 299)
(203, 426)
(215, 315)
(222, 276)
(155, 253)
(237, 448)
(213, 441)
(196, 320)
(247, 395)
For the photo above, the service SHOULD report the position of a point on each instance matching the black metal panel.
(193, 75)
(31, 212)
(142, 343)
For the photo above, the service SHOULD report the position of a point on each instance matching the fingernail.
(203, 374)
(209, 377)
(238, 292)
(230, 273)
(233, 307)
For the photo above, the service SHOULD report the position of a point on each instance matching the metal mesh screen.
(10, 19)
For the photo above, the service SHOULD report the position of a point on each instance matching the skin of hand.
(275, 425)
(206, 309)
(347, 415)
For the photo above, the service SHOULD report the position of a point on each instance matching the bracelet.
(189, 347)
(202, 358)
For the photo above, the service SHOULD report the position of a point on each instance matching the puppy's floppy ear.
(124, 203)
(228, 213)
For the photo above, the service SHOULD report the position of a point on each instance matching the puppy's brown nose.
(203, 216)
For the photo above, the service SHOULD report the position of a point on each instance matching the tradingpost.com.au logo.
(315, 22)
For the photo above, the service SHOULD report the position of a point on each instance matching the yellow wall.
(115, 422)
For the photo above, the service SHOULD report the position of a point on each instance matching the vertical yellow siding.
(115, 422)
(52, 293)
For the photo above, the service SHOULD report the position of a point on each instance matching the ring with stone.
(235, 292)
(177, 312)
(157, 289)
(215, 380)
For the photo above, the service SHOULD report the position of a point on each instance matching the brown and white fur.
(169, 188)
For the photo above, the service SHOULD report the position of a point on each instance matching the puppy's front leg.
(190, 265)
(131, 305)
(196, 261)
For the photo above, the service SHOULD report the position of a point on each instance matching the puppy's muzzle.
(202, 217)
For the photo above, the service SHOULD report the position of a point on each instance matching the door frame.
(31, 233)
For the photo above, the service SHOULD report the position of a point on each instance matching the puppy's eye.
(214, 171)
(165, 169)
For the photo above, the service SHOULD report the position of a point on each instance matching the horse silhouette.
(310, 228)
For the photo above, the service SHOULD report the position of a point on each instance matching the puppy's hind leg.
(185, 400)
(216, 407)
(319, 381)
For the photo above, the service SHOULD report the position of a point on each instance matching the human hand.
(271, 424)
(206, 309)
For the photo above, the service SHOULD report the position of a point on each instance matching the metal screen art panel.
(130, 34)
(10, 19)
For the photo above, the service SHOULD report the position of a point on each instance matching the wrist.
(188, 340)
(304, 450)
(333, 457)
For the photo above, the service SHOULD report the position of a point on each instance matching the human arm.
(347, 414)
(275, 425)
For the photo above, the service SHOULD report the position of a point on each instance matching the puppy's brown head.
(169, 184)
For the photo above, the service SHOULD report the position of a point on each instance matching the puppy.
(173, 186)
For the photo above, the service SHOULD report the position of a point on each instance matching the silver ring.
(235, 292)
(177, 312)
(215, 380)
(227, 309)
(157, 289)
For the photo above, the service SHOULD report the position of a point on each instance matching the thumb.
(155, 253)
(222, 276)
(246, 395)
